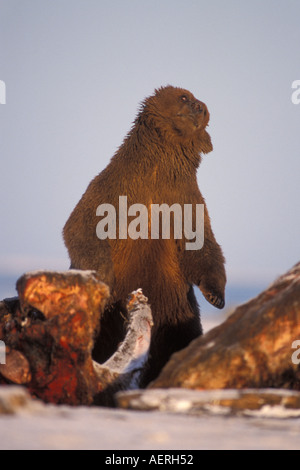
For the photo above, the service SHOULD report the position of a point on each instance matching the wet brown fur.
(157, 163)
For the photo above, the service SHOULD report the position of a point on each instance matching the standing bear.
(156, 164)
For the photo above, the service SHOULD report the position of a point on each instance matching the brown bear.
(156, 164)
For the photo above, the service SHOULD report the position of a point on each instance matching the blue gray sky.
(75, 72)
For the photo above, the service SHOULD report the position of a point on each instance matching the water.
(235, 294)
(8, 286)
(210, 316)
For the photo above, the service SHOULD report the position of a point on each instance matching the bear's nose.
(199, 107)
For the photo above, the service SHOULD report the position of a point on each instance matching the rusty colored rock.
(49, 333)
(251, 349)
(52, 328)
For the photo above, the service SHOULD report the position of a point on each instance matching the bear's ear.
(205, 144)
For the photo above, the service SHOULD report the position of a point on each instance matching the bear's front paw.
(213, 289)
(215, 299)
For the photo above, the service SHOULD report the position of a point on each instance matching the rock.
(52, 327)
(14, 398)
(249, 402)
(251, 349)
(16, 368)
(49, 334)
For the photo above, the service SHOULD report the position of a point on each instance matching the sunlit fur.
(157, 163)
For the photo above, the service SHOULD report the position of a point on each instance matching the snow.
(37, 426)
(110, 429)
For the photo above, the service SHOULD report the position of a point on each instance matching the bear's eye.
(184, 98)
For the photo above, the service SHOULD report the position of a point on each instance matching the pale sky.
(75, 72)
